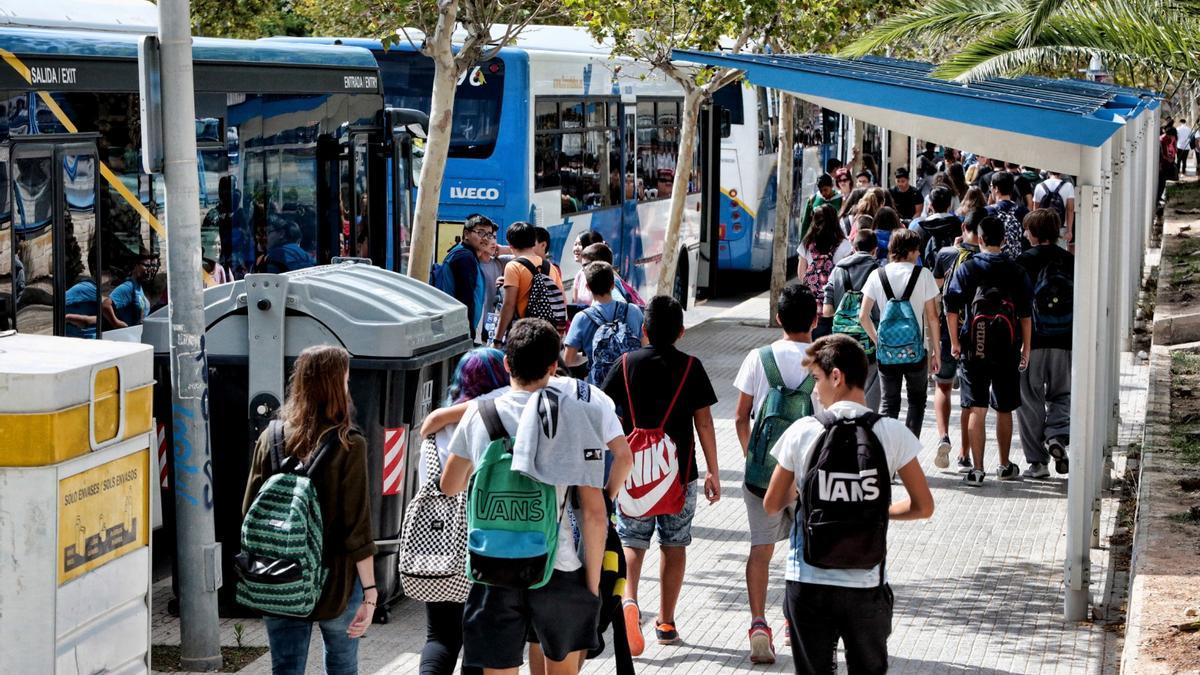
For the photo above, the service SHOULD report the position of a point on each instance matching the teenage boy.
(990, 378)
(463, 263)
(522, 239)
(945, 263)
(1044, 419)
(797, 315)
(1057, 193)
(1008, 211)
(600, 279)
(906, 197)
(563, 614)
(892, 282)
(851, 274)
(939, 229)
(1022, 186)
(826, 194)
(855, 605)
(643, 385)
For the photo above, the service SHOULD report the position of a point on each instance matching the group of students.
(979, 296)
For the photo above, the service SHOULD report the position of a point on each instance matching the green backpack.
(845, 319)
(779, 409)
(282, 537)
(512, 519)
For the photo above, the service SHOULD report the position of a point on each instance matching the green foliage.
(247, 19)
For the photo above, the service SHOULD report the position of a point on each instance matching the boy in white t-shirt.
(855, 605)
(797, 314)
(563, 614)
(903, 251)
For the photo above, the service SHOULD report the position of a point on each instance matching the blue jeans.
(289, 640)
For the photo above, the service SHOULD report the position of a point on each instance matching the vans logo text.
(511, 506)
(848, 487)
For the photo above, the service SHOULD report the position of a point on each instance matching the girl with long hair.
(823, 246)
(317, 412)
(972, 201)
(480, 373)
(886, 221)
(958, 178)
(846, 215)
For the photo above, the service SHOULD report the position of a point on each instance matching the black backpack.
(1053, 200)
(545, 297)
(991, 334)
(847, 491)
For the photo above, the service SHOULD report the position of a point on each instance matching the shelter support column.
(1124, 197)
(1101, 402)
(1085, 443)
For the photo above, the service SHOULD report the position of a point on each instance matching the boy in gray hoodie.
(851, 273)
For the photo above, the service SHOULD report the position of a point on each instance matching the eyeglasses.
(484, 234)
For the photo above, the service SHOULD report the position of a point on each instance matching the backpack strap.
(527, 264)
(1059, 187)
(583, 391)
(767, 356)
(322, 449)
(682, 381)
(275, 428)
(887, 285)
(913, 278)
(628, 389)
(491, 420)
(808, 385)
(598, 320)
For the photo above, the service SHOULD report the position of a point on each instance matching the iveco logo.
(484, 194)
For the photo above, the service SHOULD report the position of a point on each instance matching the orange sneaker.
(633, 627)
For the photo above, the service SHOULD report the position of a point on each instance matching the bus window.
(408, 83)
(575, 151)
(729, 97)
(81, 303)
(658, 147)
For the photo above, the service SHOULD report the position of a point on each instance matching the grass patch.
(165, 658)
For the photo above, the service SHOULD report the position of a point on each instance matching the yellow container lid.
(63, 397)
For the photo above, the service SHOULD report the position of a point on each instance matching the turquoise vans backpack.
(901, 342)
(512, 519)
(779, 409)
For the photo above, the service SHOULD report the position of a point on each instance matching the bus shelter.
(1104, 134)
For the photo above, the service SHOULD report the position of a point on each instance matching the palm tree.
(1150, 40)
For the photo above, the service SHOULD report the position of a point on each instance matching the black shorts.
(984, 384)
(949, 364)
(562, 615)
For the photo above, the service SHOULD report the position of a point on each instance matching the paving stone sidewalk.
(978, 587)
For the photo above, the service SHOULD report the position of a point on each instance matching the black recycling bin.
(404, 339)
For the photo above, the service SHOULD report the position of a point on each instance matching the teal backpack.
(512, 519)
(282, 538)
(779, 409)
(845, 319)
(901, 343)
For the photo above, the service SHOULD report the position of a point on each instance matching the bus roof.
(131, 16)
(534, 38)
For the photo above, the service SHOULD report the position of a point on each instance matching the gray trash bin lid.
(372, 312)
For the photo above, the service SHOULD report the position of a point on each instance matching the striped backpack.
(282, 542)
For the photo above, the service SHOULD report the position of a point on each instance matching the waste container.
(404, 338)
(75, 476)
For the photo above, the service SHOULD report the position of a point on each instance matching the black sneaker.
(965, 465)
(974, 478)
(1057, 450)
(1008, 472)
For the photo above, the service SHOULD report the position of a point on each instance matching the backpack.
(1014, 232)
(817, 274)
(631, 294)
(936, 240)
(779, 409)
(545, 297)
(845, 319)
(512, 519)
(280, 564)
(901, 341)
(1053, 300)
(611, 340)
(843, 508)
(1053, 200)
(433, 542)
(654, 487)
(991, 334)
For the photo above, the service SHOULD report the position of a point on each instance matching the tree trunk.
(679, 190)
(437, 144)
(783, 205)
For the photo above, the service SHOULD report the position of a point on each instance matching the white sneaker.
(1036, 470)
(942, 461)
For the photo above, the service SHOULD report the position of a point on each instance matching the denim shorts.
(673, 530)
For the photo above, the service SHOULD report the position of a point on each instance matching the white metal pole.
(1102, 408)
(1088, 315)
(198, 556)
(1123, 188)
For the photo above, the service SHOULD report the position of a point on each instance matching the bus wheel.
(681, 280)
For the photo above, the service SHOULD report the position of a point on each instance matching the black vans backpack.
(847, 491)
(1053, 300)
(545, 297)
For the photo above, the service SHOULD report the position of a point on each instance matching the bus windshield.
(408, 83)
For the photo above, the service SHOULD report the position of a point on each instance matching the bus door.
(50, 281)
(402, 181)
(713, 118)
(633, 191)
